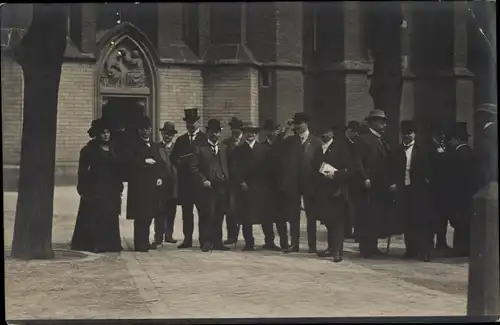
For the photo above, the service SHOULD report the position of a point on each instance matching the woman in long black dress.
(97, 227)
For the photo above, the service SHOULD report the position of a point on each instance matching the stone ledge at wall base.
(483, 297)
(66, 174)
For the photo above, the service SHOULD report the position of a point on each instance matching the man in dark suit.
(144, 181)
(409, 175)
(231, 143)
(167, 205)
(351, 133)
(211, 172)
(437, 152)
(486, 144)
(331, 187)
(461, 181)
(250, 173)
(181, 157)
(273, 136)
(299, 151)
(372, 178)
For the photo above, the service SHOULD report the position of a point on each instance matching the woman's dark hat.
(459, 130)
(250, 127)
(300, 117)
(144, 122)
(353, 125)
(235, 123)
(214, 125)
(191, 115)
(92, 131)
(408, 126)
(168, 127)
(376, 114)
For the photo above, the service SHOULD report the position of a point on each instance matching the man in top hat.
(144, 182)
(461, 186)
(211, 173)
(250, 176)
(409, 176)
(299, 171)
(371, 160)
(181, 157)
(167, 205)
(231, 143)
(486, 144)
(437, 151)
(334, 168)
(350, 134)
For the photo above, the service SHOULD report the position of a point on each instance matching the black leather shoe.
(312, 250)
(425, 257)
(248, 248)
(185, 244)
(154, 245)
(206, 247)
(230, 241)
(292, 249)
(170, 240)
(326, 253)
(271, 247)
(221, 248)
(336, 258)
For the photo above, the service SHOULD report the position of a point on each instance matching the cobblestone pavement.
(169, 283)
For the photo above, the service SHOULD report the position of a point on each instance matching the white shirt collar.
(375, 133)
(251, 144)
(326, 145)
(409, 144)
(487, 125)
(195, 133)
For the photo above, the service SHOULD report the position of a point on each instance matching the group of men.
(346, 177)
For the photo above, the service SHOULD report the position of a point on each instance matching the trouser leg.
(268, 230)
(160, 225)
(247, 230)
(188, 221)
(141, 234)
(217, 216)
(310, 207)
(171, 210)
(294, 217)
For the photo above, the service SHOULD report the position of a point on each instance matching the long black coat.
(420, 175)
(251, 166)
(338, 156)
(202, 164)
(181, 157)
(169, 187)
(486, 154)
(143, 192)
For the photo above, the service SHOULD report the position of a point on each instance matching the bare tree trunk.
(40, 54)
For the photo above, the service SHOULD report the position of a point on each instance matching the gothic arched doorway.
(125, 81)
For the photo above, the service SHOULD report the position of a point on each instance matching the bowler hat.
(459, 130)
(214, 125)
(191, 115)
(325, 128)
(376, 114)
(249, 126)
(269, 125)
(408, 126)
(353, 125)
(235, 123)
(300, 117)
(488, 108)
(144, 122)
(168, 127)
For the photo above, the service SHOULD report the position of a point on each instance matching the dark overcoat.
(251, 166)
(142, 200)
(338, 156)
(230, 148)
(486, 155)
(371, 162)
(169, 187)
(420, 174)
(181, 157)
(202, 164)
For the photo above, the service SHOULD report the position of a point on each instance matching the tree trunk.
(40, 53)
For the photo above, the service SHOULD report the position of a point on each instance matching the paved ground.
(169, 283)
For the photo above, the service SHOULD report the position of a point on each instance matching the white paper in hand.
(327, 169)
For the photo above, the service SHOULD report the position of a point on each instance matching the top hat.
(376, 114)
(459, 130)
(488, 108)
(214, 125)
(353, 125)
(300, 117)
(235, 123)
(168, 127)
(251, 127)
(269, 125)
(144, 122)
(408, 126)
(191, 115)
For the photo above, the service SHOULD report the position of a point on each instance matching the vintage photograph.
(241, 160)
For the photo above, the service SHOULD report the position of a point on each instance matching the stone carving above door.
(124, 68)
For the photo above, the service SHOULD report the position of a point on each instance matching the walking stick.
(388, 245)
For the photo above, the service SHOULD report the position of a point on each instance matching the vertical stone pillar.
(88, 27)
(464, 85)
(408, 96)
(169, 26)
